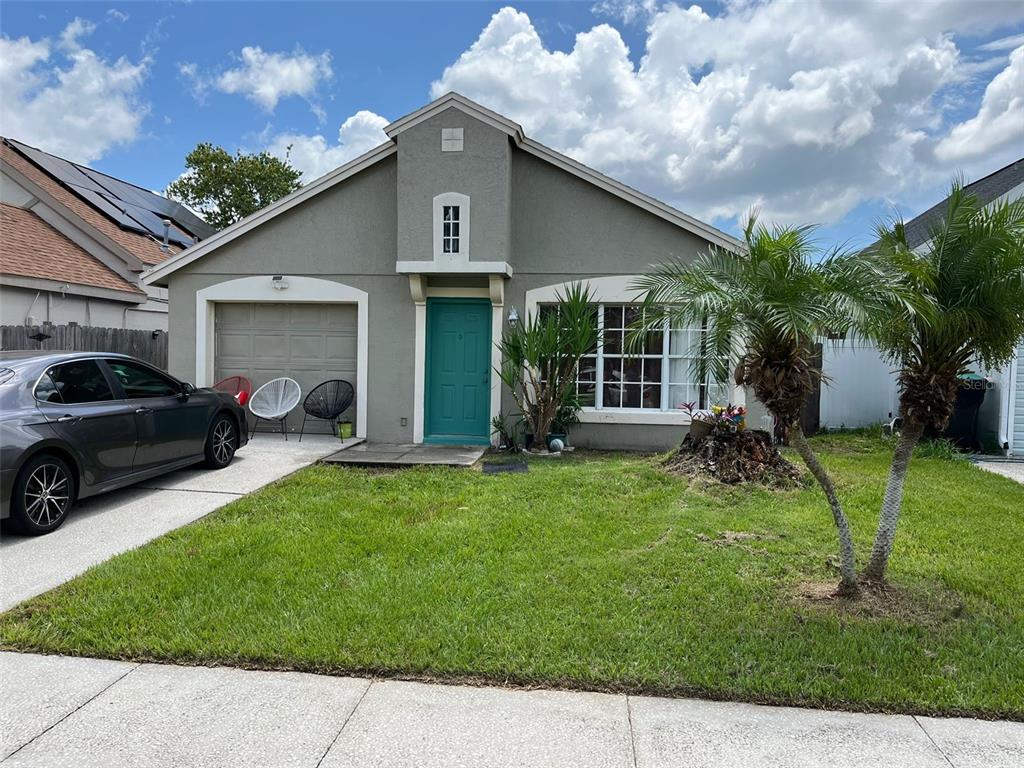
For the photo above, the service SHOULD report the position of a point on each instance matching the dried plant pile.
(731, 458)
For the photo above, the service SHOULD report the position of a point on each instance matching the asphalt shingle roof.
(987, 189)
(144, 247)
(29, 247)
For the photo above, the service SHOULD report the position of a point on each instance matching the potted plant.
(702, 422)
(540, 359)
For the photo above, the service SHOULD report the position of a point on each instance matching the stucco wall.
(346, 234)
(552, 227)
(562, 224)
(481, 171)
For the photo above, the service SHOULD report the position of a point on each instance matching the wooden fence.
(146, 345)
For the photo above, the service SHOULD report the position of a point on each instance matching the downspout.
(1009, 406)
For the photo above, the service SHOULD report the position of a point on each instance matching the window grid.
(658, 379)
(450, 232)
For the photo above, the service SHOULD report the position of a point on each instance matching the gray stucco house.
(399, 271)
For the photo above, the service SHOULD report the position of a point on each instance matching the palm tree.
(778, 297)
(971, 272)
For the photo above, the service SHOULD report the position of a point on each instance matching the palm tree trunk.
(892, 503)
(847, 561)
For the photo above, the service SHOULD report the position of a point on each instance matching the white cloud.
(1003, 43)
(315, 155)
(265, 77)
(116, 15)
(66, 98)
(627, 11)
(806, 109)
(999, 122)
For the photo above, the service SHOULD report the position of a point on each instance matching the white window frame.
(451, 217)
(612, 290)
(460, 258)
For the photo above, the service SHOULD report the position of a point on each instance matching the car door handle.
(67, 417)
(143, 410)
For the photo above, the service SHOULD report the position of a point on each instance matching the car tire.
(221, 442)
(42, 496)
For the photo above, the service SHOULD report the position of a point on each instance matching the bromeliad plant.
(764, 308)
(541, 357)
(970, 276)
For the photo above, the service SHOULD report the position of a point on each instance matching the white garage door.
(310, 343)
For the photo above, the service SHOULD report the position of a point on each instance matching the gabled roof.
(160, 272)
(26, 237)
(124, 213)
(154, 275)
(457, 100)
(986, 189)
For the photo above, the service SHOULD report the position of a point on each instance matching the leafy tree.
(971, 276)
(541, 355)
(224, 188)
(764, 308)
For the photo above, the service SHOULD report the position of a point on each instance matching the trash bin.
(963, 426)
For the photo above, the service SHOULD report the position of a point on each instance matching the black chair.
(327, 401)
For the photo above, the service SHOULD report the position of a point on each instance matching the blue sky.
(831, 113)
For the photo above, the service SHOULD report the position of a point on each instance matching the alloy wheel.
(223, 441)
(47, 494)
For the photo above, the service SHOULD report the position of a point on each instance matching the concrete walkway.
(407, 455)
(60, 711)
(1011, 468)
(103, 526)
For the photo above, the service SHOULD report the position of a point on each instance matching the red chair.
(239, 386)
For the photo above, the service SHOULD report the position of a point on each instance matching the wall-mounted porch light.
(513, 317)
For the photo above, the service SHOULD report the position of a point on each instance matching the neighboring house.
(74, 242)
(400, 270)
(862, 386)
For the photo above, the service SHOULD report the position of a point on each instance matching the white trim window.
(657, 378)
(451, 230)
(450, 220)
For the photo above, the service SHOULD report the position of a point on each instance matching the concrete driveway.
(104, 526)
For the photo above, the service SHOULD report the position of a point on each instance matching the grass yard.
(597, 572)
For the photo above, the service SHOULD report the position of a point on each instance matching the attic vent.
(451, 139)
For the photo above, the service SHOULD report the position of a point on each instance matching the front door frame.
(484, 437)
(420, 291)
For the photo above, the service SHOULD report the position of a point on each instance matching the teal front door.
(458, 371)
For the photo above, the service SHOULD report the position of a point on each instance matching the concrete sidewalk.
(59, 711)
(103, 526)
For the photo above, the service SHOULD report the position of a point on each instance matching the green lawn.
(596, 572)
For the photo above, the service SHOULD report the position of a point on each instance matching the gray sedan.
(75, 424)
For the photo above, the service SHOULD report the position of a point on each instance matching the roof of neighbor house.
(25, 236)
(986, 189)
(157, 274)
(130, 216)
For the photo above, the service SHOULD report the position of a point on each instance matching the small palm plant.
(971, 274)
(764, 309)
(541, 357)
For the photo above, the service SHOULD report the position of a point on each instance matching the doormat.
(495, 467)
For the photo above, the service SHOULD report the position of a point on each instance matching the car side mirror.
(186, 390)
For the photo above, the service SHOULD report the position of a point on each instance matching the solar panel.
(60, 169)
(129, 206)
(108, 207)
(155, 224)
